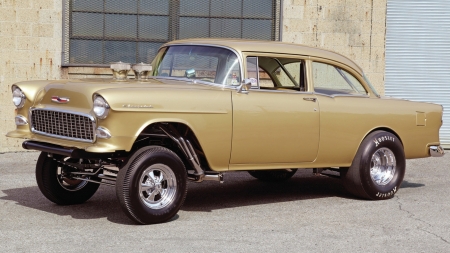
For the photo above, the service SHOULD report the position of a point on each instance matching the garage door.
(418, 54)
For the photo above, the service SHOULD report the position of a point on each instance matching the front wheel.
(54, 181)
(378, 167)
(151, 187)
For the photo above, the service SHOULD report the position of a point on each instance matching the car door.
(276, 122)
(347, 111)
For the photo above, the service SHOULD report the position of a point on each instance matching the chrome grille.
(64, 125)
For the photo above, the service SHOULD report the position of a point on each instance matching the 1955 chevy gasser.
(215, 106)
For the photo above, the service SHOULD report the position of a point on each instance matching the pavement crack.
(413, 216)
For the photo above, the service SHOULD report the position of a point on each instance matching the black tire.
(272, 175)
(61, 191)
(358, 179)
(141, 205)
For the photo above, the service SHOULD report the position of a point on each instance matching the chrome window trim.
(285, 91)
(258, 86)
(341, 95)
(209, 45)
(185, 79)
(92, 118)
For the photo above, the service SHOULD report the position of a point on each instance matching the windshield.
(210, 64)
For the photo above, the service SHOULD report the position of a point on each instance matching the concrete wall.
(354, 28)
(30, 49)
(31, 38)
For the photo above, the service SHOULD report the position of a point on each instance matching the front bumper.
(60, 150)
(436, 151)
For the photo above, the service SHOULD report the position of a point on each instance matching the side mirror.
(189, 73)
(245, 86)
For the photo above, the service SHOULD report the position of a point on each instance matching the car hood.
(78, 92)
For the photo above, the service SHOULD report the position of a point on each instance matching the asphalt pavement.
(305, 214)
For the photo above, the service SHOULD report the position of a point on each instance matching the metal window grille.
(97, 32)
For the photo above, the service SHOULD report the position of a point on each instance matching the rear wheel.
(378, 167)
(151, 188)
(272, 175)
(54, 181)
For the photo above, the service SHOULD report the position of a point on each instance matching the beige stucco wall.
(31, 34)
(354, 28)
(30, 49)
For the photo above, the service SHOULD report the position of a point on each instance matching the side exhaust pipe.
(185, 145)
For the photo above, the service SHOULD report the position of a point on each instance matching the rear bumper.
(436, 151)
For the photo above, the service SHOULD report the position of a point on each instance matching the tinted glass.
(87, 24)
(86, 51)
(194, 28)
(154, 27)
(229, 8)
(226, 28)
(87, 5)
(154, 7)
(121, 6)
(120, 26)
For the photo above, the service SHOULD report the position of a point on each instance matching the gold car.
(209, 106)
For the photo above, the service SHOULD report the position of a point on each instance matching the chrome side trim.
(436, 151)
(92, 118)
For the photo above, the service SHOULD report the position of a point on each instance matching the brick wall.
(30, 49)
(354, 28)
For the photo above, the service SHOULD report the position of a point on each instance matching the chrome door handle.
(310, 99)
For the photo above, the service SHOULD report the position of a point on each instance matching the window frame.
(301, 58)
(349, 70)
(239, 58)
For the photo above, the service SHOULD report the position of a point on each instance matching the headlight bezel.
(100, 107)
(18, 93)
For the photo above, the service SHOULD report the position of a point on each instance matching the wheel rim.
(157, 186)
(67, 183)
(382, 166)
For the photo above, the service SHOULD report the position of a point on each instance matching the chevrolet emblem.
(60, 100)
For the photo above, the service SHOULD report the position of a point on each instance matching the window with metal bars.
(97, 32)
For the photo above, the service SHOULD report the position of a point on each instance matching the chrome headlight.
(101, 107)
(18, 97)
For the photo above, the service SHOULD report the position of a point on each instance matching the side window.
(293, 68)
(259, 77)
(276, 73)
(234, 71)
(332, 80)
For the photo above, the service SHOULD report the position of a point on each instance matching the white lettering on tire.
(383, 195)
(378, 140)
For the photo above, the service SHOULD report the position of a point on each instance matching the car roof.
(243, 45)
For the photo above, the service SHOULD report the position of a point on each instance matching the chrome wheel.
(158, 186)
(382, 166)
(67, 183)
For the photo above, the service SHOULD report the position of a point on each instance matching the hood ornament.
(60, 100)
